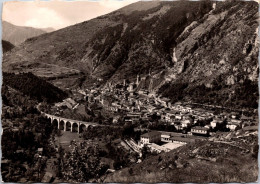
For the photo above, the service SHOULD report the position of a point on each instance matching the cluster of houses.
(136, 104)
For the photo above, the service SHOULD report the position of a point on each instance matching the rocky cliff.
(217, 57)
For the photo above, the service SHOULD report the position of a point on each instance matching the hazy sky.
(57, 14)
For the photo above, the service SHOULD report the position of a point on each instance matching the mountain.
(6, 46)
(129, 39)
(48, 29)
(185, 50)
(18, 34)
(216, 58)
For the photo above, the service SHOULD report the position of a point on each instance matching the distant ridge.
(18, 34)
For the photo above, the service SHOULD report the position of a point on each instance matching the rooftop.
(199, 128)
(151, 134)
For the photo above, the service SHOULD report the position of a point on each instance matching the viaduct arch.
(69, 124)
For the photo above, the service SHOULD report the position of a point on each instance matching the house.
(150, 137)
(165, 102)
(186, 123)
(198, 110)
(40, 150)
(177, 116)
(234, 115)
(115, 107)
(165, 138)
(178, 106)
(203, 117)
(116, 119)
(135, 116)
(178, 125)
(169, 116)
(234, 124)
(198, 130)
(150, 108)
(215, 122)
(170, 119)
(186, 109)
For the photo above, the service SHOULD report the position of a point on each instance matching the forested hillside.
(6, 46)
(34, 87)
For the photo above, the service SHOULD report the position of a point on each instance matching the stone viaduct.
(69, 124)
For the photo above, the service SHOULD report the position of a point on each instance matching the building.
(183, 140)
(170, 115)
(186, 109)
(178, 117)
(215, 122)
(150, 137)
(234, 124)
(198, 130)
(134, 116)
(116, 119)
(186, 123)
(178, 125)
(165, 138)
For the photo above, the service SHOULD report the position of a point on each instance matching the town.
(171, 124)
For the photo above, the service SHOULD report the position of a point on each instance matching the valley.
(152, 92)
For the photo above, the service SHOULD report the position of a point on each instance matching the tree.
(130, 171)
(145, 152)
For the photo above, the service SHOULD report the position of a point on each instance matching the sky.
(57, 14)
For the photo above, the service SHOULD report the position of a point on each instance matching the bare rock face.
(220, 52)
(174, 58)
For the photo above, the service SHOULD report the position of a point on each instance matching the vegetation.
(197, 162)
(24, 131)
(6, 46)
(34, 87)
(109, 137)
(82, 163)
(219, 94)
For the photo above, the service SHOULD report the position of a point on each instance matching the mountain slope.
(217, 58)
(201, 51)
(18, 34)
(199, 162)
(130, 39)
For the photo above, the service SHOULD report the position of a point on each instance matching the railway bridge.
(66, 124)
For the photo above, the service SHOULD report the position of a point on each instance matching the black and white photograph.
(128, 91)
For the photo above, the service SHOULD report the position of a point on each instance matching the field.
(65, 139)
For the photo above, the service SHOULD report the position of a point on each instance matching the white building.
(150, 137)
